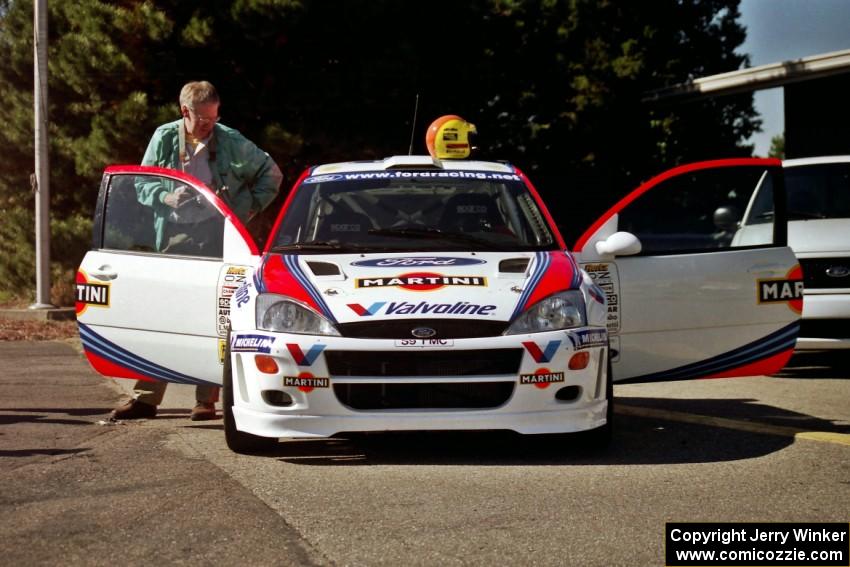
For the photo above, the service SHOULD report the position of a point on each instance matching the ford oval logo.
(838, 271)
(322, 178)
(418, 262)
(423, 332)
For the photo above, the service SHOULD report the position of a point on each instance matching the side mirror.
(619, 244)
(727, 218)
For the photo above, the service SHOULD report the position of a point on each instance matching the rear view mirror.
(619, 244)
(727, 218)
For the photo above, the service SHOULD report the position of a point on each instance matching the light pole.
(41, 183)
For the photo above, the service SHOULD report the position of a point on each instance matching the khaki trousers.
(151, 393)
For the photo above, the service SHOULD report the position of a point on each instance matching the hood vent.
(514, 265)
(324, 269)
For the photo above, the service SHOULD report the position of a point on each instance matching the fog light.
(265, 364)
(579, 360)
(277, 398)
(568, 393)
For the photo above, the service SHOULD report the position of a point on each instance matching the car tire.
(238, 441)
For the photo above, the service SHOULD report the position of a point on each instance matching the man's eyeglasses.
(204, 119)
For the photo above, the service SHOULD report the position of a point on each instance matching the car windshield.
(413, 211)
(818, 191)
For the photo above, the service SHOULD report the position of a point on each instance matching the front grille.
(815, 277)
(426, 363)
(825, 328)
(472, 395)
(401, 329)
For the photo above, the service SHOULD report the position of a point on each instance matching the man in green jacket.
(241, 174)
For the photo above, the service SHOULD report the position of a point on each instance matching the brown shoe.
(134, 409)
(203, 412)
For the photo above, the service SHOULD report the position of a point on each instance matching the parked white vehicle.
(818, 210)
(819, 233)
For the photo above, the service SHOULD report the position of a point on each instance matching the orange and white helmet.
(448, 137)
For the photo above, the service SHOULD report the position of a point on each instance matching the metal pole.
(42, 175)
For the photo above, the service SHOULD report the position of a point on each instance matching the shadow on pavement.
(833, 365)
(68, 411)
(637, 440)
(33, 452)
(9, 419)
(741, 409)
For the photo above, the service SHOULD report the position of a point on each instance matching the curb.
(54, 314)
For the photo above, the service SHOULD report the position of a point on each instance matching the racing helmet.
(448, 137)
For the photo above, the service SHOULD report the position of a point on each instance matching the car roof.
(815, 160)
(413, 162)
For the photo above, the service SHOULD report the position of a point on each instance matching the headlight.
(563, 310)
(284, 315)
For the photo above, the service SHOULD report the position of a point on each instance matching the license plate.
(424, 343)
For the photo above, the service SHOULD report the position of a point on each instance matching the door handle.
(104, 273)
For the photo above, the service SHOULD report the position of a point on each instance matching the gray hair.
(198, 92)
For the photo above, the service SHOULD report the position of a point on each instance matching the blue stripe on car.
(108, 350)
(292, 265)
(541, 264)
(772, 344)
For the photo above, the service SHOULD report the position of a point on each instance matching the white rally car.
(412, 293)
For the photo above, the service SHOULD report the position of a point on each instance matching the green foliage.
(17, 236)
(555, 86)
(777, 147)
(70, 238)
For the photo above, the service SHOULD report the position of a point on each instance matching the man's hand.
(177, 197)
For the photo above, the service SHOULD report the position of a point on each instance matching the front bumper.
(826, 320)
(301, 396)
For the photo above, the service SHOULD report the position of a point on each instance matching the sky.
(782, 30)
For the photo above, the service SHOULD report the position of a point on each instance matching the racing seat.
(471, 212)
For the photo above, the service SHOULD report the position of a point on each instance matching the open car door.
(153, 293)
(685, 298)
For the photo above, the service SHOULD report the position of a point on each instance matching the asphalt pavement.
(79, 491)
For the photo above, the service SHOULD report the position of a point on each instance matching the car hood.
(819, 236)
(370, 287)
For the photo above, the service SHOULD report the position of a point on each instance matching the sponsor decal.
(304, 359)
(607, 279)
(252, 343)
(241, 296)
(421, 281)
(222, 349)
(544, 355)
(588, 338)
(366, 311)
(423, 308)
(305, 382)
(541, 378)
(407, 174)
(322, 178)
(787, 290)
(416, 262)
(232, 278)
(596, 294)
(89, 293)
(424, 343)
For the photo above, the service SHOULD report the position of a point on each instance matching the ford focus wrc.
(414, 293)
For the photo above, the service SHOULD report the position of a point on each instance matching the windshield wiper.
(408, 232)
(436, 234)
(316, 245)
